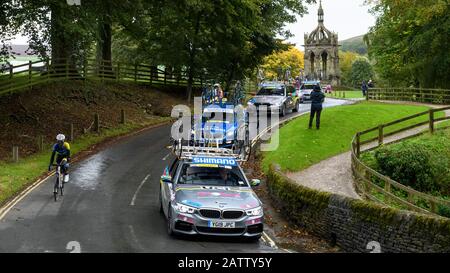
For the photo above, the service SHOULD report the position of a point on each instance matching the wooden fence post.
(85, 64)
(358, 144)
(118, 72)
(380, 135)
(165, 76)
(11, 73)
(41, 143)
(122, 116)
(29, 75)
(387, 188)
(15, 154)
(72, 136)
(47, 64)
(367, 94)
(67, 68)
(135, 72)
(151, 74)
(431, 121)
(96, 122)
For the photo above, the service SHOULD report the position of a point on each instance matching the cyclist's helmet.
(60, 137)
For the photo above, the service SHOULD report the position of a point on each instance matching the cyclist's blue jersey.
(63, 150)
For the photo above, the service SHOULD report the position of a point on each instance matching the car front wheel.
(297, 107)
(169, 222)
(283, 110)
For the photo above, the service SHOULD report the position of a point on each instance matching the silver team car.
(210, 195)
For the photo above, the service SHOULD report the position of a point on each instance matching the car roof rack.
(191, 150)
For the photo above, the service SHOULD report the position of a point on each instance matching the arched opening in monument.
(324, 65)
(312, 59)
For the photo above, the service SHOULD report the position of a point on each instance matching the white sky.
(349, 18)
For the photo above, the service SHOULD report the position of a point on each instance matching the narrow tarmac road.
(110, 205)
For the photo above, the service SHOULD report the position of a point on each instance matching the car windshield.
(217, 117)
(307, 86)
(211, 176)
(271, 91)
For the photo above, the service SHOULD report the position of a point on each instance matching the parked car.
(306, 89)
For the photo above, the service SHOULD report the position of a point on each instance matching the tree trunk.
(104, 51)
(60, 44)
(192, 56)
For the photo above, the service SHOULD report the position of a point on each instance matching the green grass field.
(14, 177)
(300, 147)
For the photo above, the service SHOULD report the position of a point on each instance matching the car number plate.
(214, 224)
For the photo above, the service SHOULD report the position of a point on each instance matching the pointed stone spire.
(320, 13)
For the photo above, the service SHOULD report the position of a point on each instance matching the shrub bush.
(422, 163)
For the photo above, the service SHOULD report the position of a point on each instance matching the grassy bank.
(300, 147)
(14, 177)
(421, 163)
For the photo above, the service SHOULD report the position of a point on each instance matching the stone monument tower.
(322, 54)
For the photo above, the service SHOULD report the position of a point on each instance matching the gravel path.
(334, 174)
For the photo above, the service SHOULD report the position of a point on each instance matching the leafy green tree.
(410, 42)
(346, 60)
(361, 71)
(292, 58)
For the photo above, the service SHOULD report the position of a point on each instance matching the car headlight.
(254, 212)
(184, 209)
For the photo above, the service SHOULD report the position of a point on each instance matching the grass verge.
(15, 177)
(300, 147)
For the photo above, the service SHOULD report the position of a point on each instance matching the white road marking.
(269, 240)
(263, 239)
(138, 189)
(5, 209)
(165, 158)
(134, 237)
(287, 250)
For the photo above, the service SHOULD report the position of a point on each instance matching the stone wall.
(354, 225)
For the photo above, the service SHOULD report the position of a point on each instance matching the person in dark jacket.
(317, 98)
(364, 88)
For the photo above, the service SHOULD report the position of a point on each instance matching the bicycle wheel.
(55, 190)
(61, 184)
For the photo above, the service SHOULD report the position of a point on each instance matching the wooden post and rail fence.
(95, 127)
(25, 76)
(369, 181)
(421, 95)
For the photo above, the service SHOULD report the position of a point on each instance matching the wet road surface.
(110, 205)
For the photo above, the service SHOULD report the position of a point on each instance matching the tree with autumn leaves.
(291, 58)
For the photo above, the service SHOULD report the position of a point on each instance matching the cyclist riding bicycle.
(62, 151)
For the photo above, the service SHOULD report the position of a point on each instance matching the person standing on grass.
(317, 98)
(364, 88)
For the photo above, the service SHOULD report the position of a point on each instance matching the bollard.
(15, 154)
(71, 133)
(41, 143)
(96, 123)
(122, 116)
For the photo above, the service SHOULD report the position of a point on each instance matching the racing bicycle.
(59, 183)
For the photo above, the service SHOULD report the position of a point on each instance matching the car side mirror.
(166, 178)
(255, 182)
